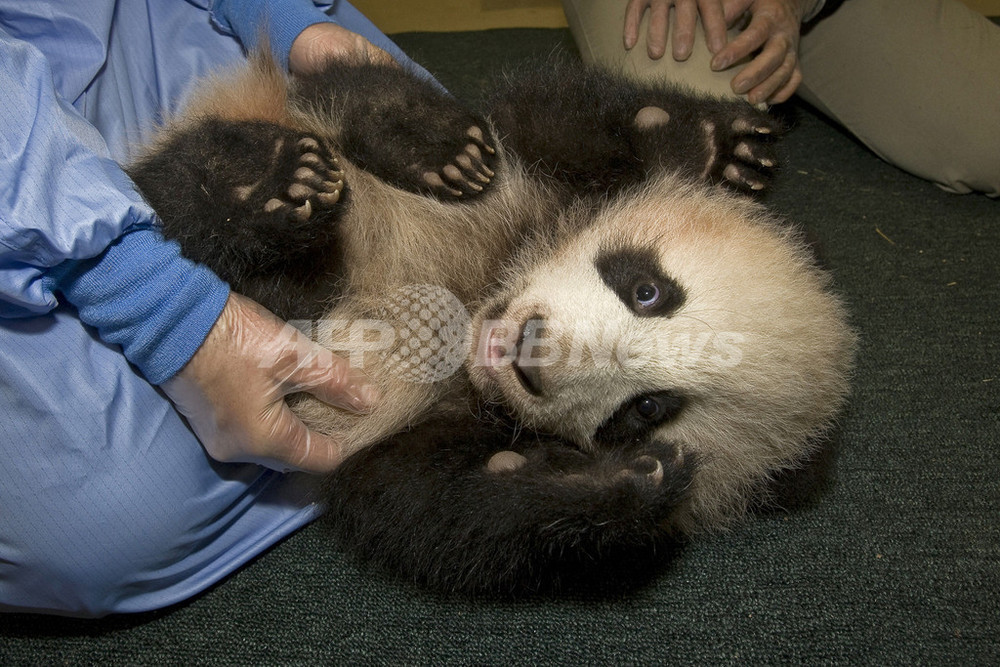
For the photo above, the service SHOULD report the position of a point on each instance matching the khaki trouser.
(918, 81)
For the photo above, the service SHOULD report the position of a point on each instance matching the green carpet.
(894, 559)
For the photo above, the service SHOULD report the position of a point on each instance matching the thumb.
(303, 449)
(318, 371)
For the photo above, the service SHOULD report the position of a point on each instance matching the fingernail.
(364, 397)
(719, 63)
(740, 87)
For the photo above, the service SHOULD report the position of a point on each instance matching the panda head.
(681, 315)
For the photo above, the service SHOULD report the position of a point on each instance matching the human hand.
(233, 390)
(774, 73)
(322, 42)
(685, 21)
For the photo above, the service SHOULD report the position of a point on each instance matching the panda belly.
(507, 477)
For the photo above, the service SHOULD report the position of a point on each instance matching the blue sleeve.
(142, 295)
(71, 222)
(280, 22)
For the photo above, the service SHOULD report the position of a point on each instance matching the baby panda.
(589, 343)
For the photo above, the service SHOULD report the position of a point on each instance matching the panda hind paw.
(467, 174)
(315, 184)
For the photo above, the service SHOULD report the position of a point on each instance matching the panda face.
(682, 315)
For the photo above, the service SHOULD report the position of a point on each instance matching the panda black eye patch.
(638, 416)
(635, 275)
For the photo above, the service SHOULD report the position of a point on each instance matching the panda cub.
(588, 342)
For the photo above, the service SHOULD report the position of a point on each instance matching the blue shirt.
(71, 222)
(107, 501)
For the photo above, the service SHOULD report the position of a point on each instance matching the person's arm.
(278, 21)
(299, 34)
(73, 228)
(72, 224)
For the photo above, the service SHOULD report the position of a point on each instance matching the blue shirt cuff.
(143, 295)
(278, 23)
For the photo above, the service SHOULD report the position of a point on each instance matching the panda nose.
(530, 355)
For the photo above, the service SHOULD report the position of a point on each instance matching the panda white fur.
(646, 347)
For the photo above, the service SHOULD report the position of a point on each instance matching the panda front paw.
(719, 142)
(658, 475)
(740, 150)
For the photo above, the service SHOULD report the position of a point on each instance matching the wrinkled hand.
(322, 42)
(772, 34)
(773, 74)
(232, 390)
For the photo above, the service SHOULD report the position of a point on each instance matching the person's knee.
(975, 172)
(85, 577)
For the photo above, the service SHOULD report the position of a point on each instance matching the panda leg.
(597, 131)
(403, 129)
(463, 507)
(256, 202)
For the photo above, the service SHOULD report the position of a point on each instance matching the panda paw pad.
(645, 470)
(505, 461)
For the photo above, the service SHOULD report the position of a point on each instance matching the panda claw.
(476, 134)
(736, 176)
(328, 198)
(303, 212)
(655, 476)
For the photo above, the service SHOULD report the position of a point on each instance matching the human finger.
(330, 378)
(656, 34)
(734, 10)
(296, 447)
(685, 22)
(787, 90)
(633, 17)
(713, 21)
(747, 42)
(775, 60)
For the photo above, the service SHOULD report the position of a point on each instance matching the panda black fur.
(585, 213)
